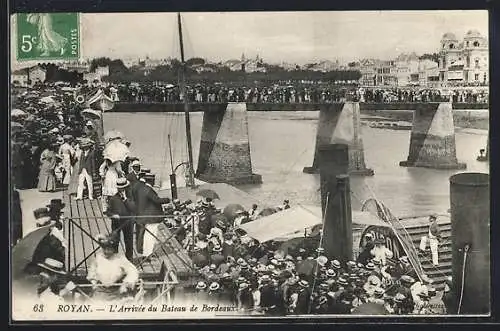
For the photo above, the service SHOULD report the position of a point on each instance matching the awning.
(282, 224)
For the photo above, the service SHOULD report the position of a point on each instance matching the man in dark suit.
(121, 209)
(148, 204)
(87, 168)
(133, 177)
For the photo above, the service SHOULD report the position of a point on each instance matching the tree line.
(119, 73)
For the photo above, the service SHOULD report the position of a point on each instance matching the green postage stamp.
(44, 36)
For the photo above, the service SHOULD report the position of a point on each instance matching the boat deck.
(87, 220)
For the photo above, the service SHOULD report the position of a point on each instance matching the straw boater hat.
(336, 264)
(60, 140)
(399, 298)
(304, 283)
(324, 286)
(226, 275)
(214, 286)
(213, 267)
(320, 250)
(330, 273)
(243, 285)
(370, 266)
(201, 286)
(342, 281)
(122, 183)
(53, 266)
(265, 278)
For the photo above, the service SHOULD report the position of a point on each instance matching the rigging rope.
(384, 211)
(319, 245)
(466, 250)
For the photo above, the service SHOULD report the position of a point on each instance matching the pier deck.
(87, 220)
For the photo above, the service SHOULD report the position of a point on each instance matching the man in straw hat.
(52, 287)
(87, 168)
(121, 209)
(111, 274)
(432, 237)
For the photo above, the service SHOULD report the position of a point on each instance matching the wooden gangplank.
(86, 220)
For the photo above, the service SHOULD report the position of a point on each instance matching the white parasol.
(116, 151)
(112, 135)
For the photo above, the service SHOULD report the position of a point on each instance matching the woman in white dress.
(110, 173)
(67, 153)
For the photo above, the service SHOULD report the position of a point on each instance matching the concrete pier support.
(470, 226)
(432, 142)
(225, 147)
(336, 201)
(340, 123)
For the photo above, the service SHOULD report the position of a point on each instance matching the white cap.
(135, 163)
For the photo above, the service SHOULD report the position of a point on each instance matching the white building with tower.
(464, 62)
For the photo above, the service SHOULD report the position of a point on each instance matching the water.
(281, 146)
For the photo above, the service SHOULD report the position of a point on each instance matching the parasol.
(208, 193)
(307, 267)
(267, 211)
(112, 135)
(17, 113)
(230, 211)
(91, 114)
(22, 253)
(115, 151)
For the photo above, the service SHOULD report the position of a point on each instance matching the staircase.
(418, 229)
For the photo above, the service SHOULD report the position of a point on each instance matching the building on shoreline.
(464, 62)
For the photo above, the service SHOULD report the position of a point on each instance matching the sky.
(295, 37)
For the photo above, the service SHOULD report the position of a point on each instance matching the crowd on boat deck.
(261, 278)
(282, 93)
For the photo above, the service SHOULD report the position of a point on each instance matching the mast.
(190, 181)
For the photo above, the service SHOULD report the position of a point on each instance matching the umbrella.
(370, 308)
(230, 211)
(22, 253)
(208, 193)
(115, 151)
(307, 267)
(91, 114)
(267, 211)
(17, 112)
(112, 135)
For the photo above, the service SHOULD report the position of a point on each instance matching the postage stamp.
(44, 36)
(240, 164)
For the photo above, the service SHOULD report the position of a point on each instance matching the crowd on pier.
(283, 93)
(272, 278)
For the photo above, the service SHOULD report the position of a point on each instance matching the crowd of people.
(283, 93)
(234, 269)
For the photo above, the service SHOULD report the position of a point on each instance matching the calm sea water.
(281, 145)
